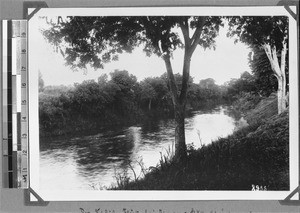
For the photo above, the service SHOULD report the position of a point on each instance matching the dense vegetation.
(253, 157)
(256, 155)
(118, 101)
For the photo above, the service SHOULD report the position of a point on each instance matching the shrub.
(246, 101)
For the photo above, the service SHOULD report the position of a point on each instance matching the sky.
(228, 61)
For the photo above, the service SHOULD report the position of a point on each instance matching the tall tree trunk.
(179, 98)
(180, 145)
(179, 111)
(281, 95)
(282, 69)
(279, 72)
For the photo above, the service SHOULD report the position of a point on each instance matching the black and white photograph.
(190, 103)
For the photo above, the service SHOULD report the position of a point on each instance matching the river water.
(88, 162)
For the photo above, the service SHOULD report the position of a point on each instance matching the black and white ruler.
(15, 108)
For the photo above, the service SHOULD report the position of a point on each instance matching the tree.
(41, 82)
(123, 79)
(207, 83)
(246, 83)
(99, 40)
(102, 80)
(125, 96)
(269, 33)
(265, 80)
(147, 93)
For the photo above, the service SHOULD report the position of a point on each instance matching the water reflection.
(206, 127)
(80, 161)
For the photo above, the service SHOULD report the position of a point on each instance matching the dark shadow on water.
(98, 151)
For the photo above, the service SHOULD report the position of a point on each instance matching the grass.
(257, 155)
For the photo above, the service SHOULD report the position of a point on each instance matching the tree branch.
(196, 36)
(283, 55)
(171, 78)
(275, 60)
(272, 56)
(185, 31)
(185, 77)
(189, 50)
(267, 49)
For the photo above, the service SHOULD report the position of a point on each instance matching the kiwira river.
(89, 162)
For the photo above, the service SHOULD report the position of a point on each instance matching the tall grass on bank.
(255, 155)
(245, 101)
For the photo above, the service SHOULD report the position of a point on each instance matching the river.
(92, 161)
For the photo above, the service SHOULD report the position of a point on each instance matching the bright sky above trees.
(228, 61)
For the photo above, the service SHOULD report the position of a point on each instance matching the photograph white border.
(82, 195)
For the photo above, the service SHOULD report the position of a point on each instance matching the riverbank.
(254, 155)
(77, 125)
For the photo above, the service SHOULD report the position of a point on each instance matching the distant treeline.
(123, 100)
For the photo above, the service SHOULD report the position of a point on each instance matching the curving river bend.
(91, 161)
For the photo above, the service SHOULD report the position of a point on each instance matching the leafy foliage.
(259, 30)
(245, 84)
(41, 82)
(246, 101)
(98, 40)
(268, 38)
(264, 76)
(120, 100)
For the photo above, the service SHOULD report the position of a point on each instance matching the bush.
(246, 101)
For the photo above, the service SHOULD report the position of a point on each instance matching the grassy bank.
(254, 155)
